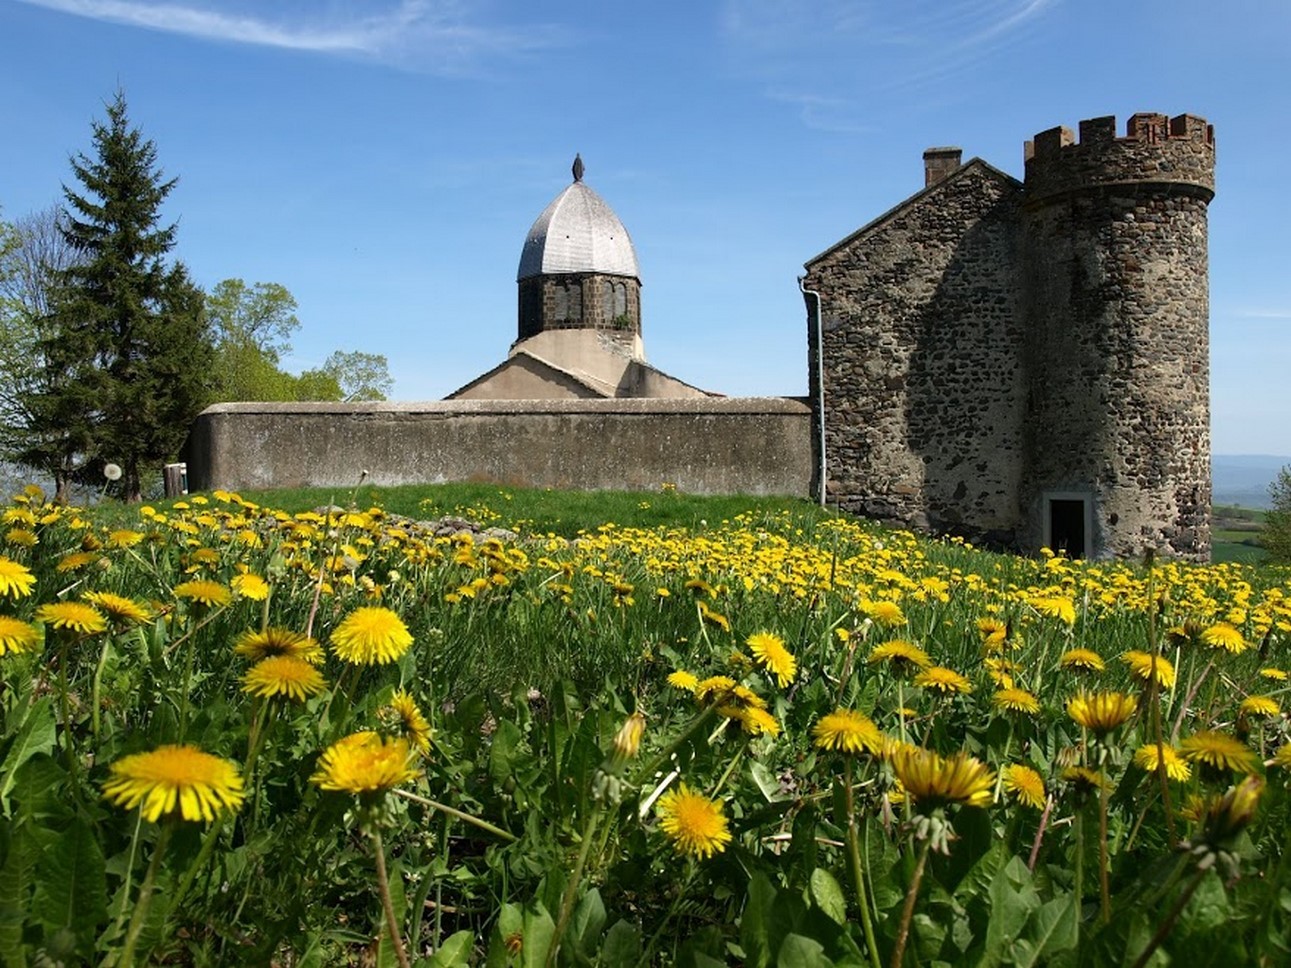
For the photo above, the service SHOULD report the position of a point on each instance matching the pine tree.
(129, 349)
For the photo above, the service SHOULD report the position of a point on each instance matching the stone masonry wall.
(923, 382)
(580, 301)
(709, 446)
(1116, 302)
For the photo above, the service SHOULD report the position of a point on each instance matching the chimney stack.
(938, 163)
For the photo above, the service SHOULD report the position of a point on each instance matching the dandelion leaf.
(801, 952)
(455, 951)
(71, 887)
(35, 735)
(1051, 931)
(622, 944)
(828, 895)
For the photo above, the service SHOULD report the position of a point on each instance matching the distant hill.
(1244, 478)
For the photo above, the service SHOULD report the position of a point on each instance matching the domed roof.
(577, 232)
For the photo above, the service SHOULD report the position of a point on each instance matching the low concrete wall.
(757, 445)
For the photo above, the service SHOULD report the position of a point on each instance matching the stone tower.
(578, 270)
(1114, 299)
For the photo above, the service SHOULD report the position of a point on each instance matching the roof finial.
(578, 167)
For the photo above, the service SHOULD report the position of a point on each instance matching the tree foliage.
(1276, 536)
(128, 350)
(361, 376)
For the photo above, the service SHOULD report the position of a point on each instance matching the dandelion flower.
(1016, 701)
(1176, 767)
(1259, 706)
(175, 778)
(1057, 607)
(250, 586)
(1219, 751)
(1082, 660)
(993, 632)
(15, 579)
(847, 731)
(17, 636)
(681, 679)
(123, 539)
(903, 656)
(695, 824)
(209, 593)
(1224, 636)
(770, 652)
(715, 687)
(714, 618)
(74, 560)
(1230, 814)
(932, 780)
(283, 675)
(1026, 785)
(887, 613)
(1084, 781)
(1282, 758)
(945, 681)
(1276, 675)
(22, 537)
(122, 610)
(364, 763)
(258, 645)
(75, 616)
(410, 722)
(1142, 665)
(1101, 712)
(371, 636)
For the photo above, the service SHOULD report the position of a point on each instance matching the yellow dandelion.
(714, 618)
(1259, 706)
(74, 616)
(1282, 758)
(118, 608)
(173, 779)
(627, 741)
(1219, 751)
(1224, 636)
(22, 537)
(1228, 815)
(1082, 660)
(1101, 712)
(15, 580)
(209, 593)
(771, 654)
(364, 763)
(256, 645)
(903, 656)
(886, 613)
(1278, 675)
(17, 636)
(253, 587)
(1176, 767)
(932, 780)
(992, 631)
(718, 688)
(1083, 780)
(695, 824)
(681, 679)
(847, 731)
(123, 539)
(1016, 701)
(1026, 785)
(410, 722)
(1142, 665)
(1055, 606)
(948, 682)
(757, 722)
(371, 636)
(74, 560)
(283, 675)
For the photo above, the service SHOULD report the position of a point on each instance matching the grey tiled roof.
(578, 232)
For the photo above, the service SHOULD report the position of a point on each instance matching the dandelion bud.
(627, 741)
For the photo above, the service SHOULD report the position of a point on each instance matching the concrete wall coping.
(643, 406)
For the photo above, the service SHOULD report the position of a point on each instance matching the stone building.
(579, 311)
(1026, 363)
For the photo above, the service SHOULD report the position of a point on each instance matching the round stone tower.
(578, 270)
(1114, 296)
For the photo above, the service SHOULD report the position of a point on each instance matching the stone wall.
(714, 446)
(608, 303)
(923, 394)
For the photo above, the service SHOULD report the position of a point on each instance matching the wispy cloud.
(832, 57)
(413, 34)
(1259, 313)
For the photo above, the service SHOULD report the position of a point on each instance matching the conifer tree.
(128, 341)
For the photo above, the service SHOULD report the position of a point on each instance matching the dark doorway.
(1067, 527)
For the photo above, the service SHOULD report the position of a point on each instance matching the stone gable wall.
(923, 394)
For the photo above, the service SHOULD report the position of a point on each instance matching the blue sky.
(384, 159)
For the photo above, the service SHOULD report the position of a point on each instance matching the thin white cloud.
(1256, 313)
(416, 34)
(832, 57)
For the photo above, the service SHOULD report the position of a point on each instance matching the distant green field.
(1235, 534)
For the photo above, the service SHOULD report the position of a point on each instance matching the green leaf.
(71, 887)
(455, 951)
(800, 952)
(1012, 899)
(767, 782)
(622, 945)
(504, 752)
(755, 926)
(589, 920)
(36, 735)
(539, 929)
(1051, 930)
(828, 895)
(17, 878)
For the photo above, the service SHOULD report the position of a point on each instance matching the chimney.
(938, 163)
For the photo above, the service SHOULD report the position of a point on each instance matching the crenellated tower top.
(1174, 155)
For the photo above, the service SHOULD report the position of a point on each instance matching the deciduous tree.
(1276, 535)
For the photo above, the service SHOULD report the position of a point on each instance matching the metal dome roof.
(577, 232)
